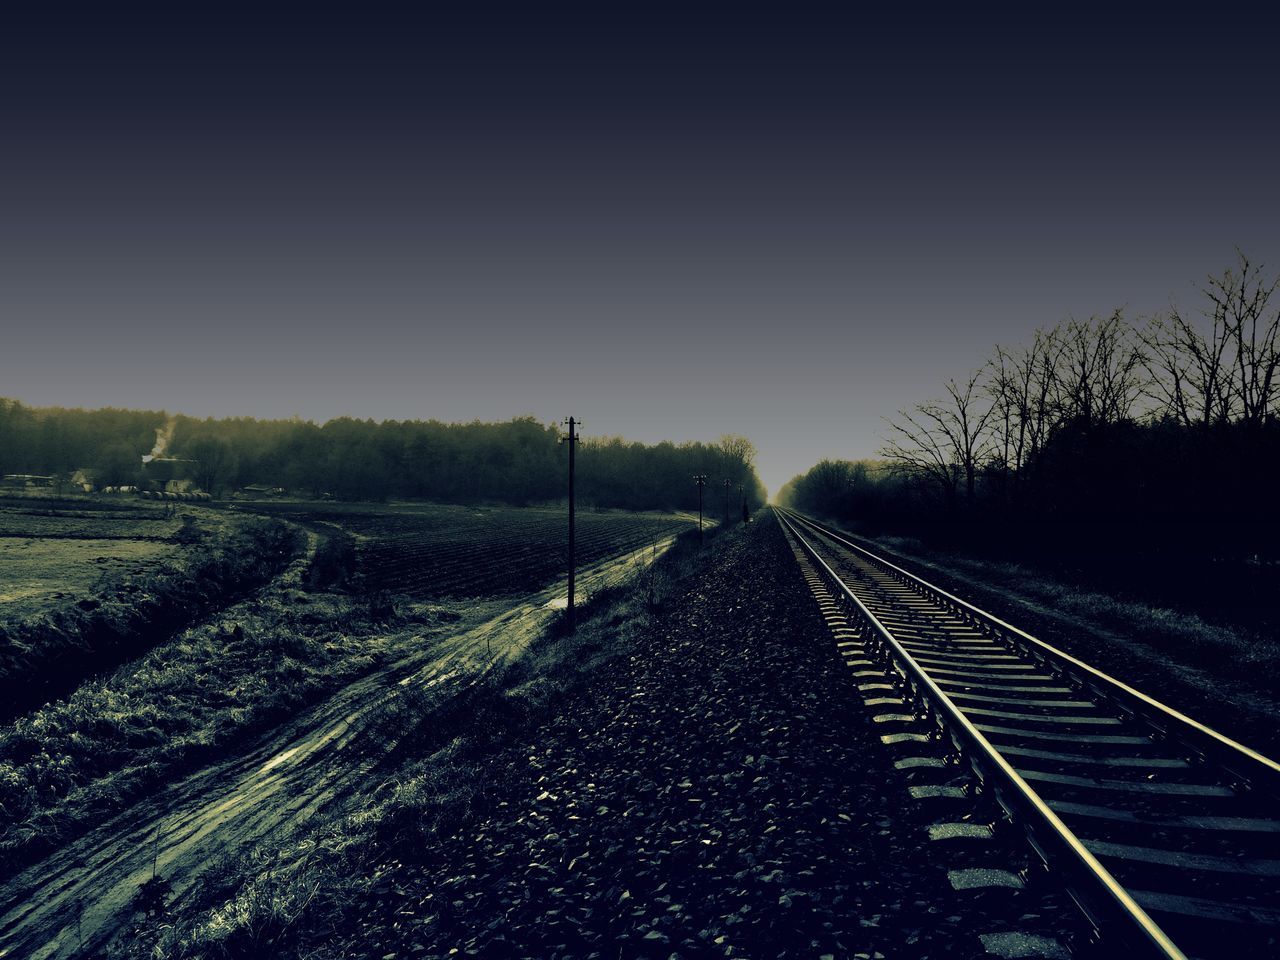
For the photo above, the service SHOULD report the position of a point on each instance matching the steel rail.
(1106, 903)
(1249, 766)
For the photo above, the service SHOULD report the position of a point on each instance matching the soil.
(442, 551)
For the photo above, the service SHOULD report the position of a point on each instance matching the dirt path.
(76, 901)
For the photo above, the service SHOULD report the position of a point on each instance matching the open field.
(51, 553)
(436, 551)
(231, 730)
(35, 572)
(85, 586)
(121, 520)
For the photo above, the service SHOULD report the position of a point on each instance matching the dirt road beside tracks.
(78, 900)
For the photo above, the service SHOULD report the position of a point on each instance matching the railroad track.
(1165, 832)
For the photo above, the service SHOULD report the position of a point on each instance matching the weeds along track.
(1165, 832)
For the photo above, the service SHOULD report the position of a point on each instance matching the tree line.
(520, 461)
(1099, 437)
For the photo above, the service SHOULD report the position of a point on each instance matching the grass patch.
(37, 572)
(47, 655)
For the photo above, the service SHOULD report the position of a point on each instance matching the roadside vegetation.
(69, 763)
(47, 654)
(331, 617)
(1135, 458)
(279, 899)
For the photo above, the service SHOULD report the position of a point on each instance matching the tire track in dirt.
(77, 900)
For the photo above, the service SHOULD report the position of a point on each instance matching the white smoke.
(163, 435)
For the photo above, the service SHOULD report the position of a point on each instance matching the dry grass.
(36, 572)
(117, 738)
(1185, 637)
(46, 655)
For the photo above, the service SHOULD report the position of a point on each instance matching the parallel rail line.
(1166, 832)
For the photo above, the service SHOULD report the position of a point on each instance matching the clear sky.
(671, 226)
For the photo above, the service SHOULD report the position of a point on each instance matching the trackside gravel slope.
(716, 790)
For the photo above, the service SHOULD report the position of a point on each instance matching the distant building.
(257, 490)
(161, 473)
(24, 481)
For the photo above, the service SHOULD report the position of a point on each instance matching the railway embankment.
(711, 785)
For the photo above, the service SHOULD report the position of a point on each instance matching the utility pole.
(573, 442)
(727, 484)
(700, 479)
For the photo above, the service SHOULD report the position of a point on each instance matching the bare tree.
(215, 463)
(1006, 420)
(1189, 371)
(945, 441)
(1242, 300)
(737, 449)
(1102, 371)
(1225, 367)
(917, 449)
(1024, 386)
(1169, 369)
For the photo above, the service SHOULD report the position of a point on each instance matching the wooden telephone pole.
(701, 480)
(573, 442)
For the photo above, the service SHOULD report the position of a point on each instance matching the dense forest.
(1098, 445)
(520, 461)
